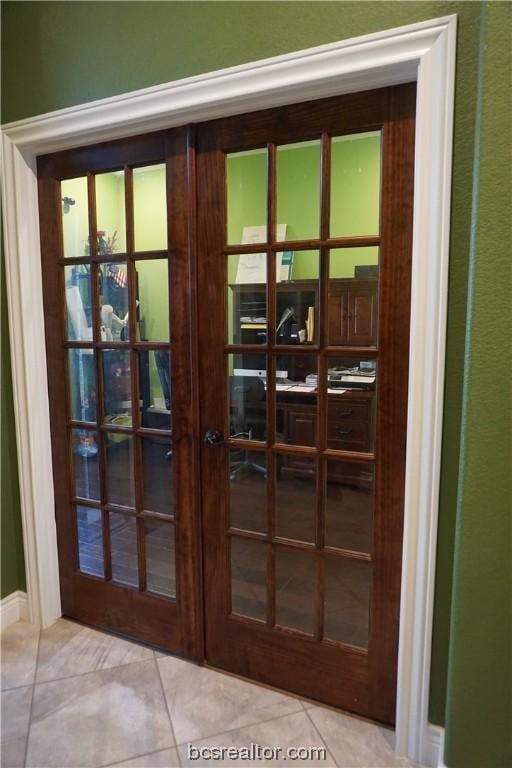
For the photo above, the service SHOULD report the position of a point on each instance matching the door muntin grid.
(119, 383)
(304, 460)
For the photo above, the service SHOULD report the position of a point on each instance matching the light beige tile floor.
(73, 697)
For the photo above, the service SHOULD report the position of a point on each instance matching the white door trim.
(424, 52)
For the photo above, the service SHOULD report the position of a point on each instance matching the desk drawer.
(340, 410)
(348, 435)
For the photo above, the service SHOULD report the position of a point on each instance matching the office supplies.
(260, 374)
(351, 378)
(284, 328)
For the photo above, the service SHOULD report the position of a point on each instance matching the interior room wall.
(479, 689)
(12, 566)
(48, 63)
(355, 189)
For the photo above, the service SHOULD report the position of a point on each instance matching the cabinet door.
(301, 428)
(338, 317)
(362, 317)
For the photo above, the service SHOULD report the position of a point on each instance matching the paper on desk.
(303, 388)
(331, 391)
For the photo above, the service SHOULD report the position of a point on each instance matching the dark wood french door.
(304, 264)
(227, 328)
(119, 345)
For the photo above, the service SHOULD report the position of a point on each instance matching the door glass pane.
(90, 540)
(297, 274)
(82, 384)
(248, 578)
(119, 469)
(355, 184)
(353, 264)
(296, 399)
(117, 389)
(295, 500)
(349, 503)
(246, 176)
(351, 403)
(295, 589)
(75, 217)
(347, 597)
(298, 190)
(85, 451)
(123, 549)
(248, 490)
(150, 208)
(247, 298)
(113, 297)
(110, 213)
(153, 298)
(78, 302)
(157, 469)
(353, 296)
(160, 557)
(155, 389)
(247, 396)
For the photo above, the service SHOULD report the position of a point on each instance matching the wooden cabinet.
(350, 427)
(250, 308)
(352, 321)
(353, 312)
(300, 426)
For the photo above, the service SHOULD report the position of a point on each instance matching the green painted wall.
(140, 44)
(480, 658)
(12, 565)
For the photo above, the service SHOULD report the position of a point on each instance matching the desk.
(350, 427)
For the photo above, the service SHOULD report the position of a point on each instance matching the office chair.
(246, 391)
(163, 367)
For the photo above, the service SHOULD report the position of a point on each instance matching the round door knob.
(212, 437)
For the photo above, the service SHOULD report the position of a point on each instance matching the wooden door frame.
(423, 52)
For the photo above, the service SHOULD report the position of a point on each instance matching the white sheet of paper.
(252, 267)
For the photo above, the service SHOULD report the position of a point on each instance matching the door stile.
(394, 295)
(210, 236)
(181, 217)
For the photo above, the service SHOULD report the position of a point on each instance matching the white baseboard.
(433, 747)
(13, 608)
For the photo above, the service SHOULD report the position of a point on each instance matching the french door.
(226, 316)
(119, 345)
(304, 246)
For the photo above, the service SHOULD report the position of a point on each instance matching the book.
(310, 324)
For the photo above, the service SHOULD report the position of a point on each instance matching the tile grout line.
(322, 739)
(136, 757)
(91, 672)
(16, 687)
(168, 710)
(240, 727)
(32, 698)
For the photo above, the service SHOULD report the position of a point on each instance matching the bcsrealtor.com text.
(256, 752)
